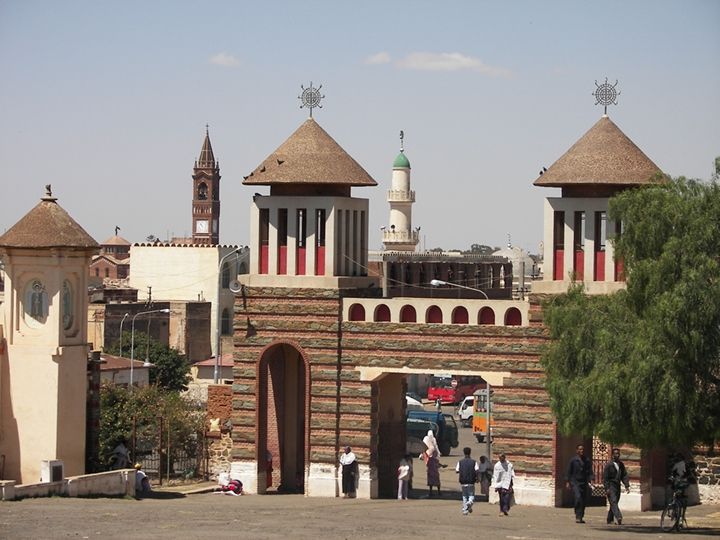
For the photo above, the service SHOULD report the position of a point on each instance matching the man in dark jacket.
(467, 469)
(579, 477)
(614, 474)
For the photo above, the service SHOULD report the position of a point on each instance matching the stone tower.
(43, 381)
(399, 236)
(206, 196)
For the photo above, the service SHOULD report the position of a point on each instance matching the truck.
(446, 433)
(481, 414)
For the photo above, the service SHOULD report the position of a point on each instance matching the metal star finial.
(606, 94)
(310, 97)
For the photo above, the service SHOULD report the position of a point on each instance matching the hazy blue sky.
(108, 101)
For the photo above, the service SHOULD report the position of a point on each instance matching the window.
(600, 231)
(559, 230)
(579, 231)
(202, 191)
(225, 279)
(225, 323)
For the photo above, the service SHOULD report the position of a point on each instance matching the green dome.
(401, 162)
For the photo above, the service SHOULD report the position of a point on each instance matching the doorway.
(282, 424)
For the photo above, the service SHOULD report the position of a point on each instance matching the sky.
(108, 102)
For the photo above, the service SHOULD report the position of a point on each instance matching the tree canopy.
(642, 366)
(171, 369)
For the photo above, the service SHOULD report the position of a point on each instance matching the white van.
(465, 411)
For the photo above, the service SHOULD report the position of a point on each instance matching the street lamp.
(132, 339)
(218, 320)
(437, 283)
(121, 323)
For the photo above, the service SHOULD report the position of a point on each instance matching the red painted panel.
(300, 262)
(408, 314)
(460, 315)
(579, 265)
(282, 260)
(382, 313)
(357, 312)
(558, 270)
(264, 259)
(513, 317)
(434, 315)
(320, 261)
(487, 316)
(599, 266)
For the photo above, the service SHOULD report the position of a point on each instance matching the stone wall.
(708, 476)
(219, 453)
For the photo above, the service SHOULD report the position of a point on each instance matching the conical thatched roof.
(309, 156)
(47, 226)
(603, 156)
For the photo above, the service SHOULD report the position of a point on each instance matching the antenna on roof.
(310, 97)
(605, 94)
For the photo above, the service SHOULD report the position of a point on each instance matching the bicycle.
(673, 515)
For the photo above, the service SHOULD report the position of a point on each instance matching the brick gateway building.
(316, 369)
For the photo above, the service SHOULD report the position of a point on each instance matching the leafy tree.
(482, 249)
(642, 366)
(124, 412)
(171, 369)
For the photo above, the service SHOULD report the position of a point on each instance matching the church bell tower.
(206, 196)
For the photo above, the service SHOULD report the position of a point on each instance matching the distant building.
(113, 261)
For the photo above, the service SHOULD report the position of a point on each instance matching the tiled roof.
(226, 360)
(309, 156)
(47, 226)
(207, 158)
(603, 156)
(116, 241)
(110, 363)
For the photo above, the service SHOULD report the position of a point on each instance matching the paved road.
(276, 517)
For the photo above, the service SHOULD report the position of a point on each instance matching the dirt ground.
(275, 517)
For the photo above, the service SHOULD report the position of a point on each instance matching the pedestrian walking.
(404, 476)
(503, 475)
(467, 469)
(431, 457)
(484, 476)
(615, 474)
(348, 461)
(580, 477)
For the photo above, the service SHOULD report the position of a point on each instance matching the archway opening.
(408, 314)
(281, 420)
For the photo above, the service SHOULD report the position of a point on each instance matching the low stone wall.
(708, 478)
(112, 483)
(108, 484)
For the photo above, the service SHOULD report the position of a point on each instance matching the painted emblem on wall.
(36, 304)
(67, 306)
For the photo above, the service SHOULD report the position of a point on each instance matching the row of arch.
(434, 315)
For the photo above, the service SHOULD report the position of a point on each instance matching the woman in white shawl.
(349, 472)
(431, 457)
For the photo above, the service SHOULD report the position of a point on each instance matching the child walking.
(404, 476)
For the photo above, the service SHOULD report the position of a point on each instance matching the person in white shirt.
(484, 476)
(503, 475)
(404, 476)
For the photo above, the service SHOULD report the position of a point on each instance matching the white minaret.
(400, 236)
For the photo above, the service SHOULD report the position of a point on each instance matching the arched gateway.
(282, 409)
